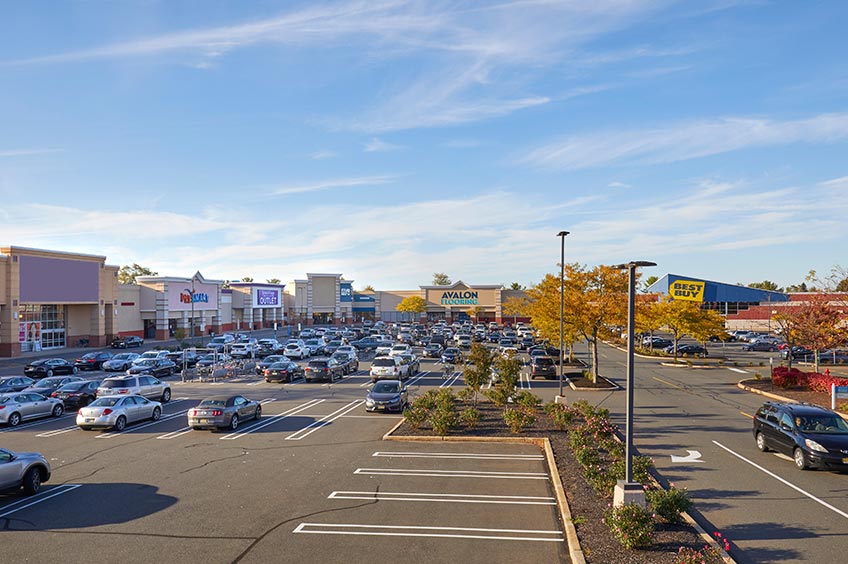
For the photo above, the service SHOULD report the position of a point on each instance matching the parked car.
(244, 348)
(762, 346)
(220, 342)
(387, 395)
(798, 353)
(47, 386)
(316, 346)
(307, 333)
(283, 371)
(835, 356)
(412, 362)
(47, 367)
(92, 360)
(15, 383)
(813, 436)
(127, 342)
(347, 360)
(206, 363)
(383, 349)
(159, 368)
(543, 366)
(388, 367)
(142, 385)
(296, 350)
(263, 364)
(116, 412)
(323, 369)
(365, 344)
(527, 341)
(22, 406)
(154, 355)
(399, 348)
(691, 350)
(121, 362)
(463, 341)
(267, 347)
(77, 394)
(332, 346)
(219, 412)
(27, 470)
(451, 355)
(433, 350)
(657, 343)
(187, 358)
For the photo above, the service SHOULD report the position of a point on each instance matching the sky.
(388, 140)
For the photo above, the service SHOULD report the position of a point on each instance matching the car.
(348, 361)
(835, 356)
(504, 342)
(463, 341)
(22, 406)
(267, 347)
(527, 341)
(47, 386)
(723, 337)
(223, 412)
(218, 343)
(384, 348)
(433, 350)
(387, 395)
(121, 362)
(543, 366)
(23, 470)
(206, 363)
(693, 350)
(350, 349)
(159, 368)
(798, 353)
(762, 346)
(154, 355)
(127, 342)
(92, 360)
(187, 358)
(116, 412)
(332, 346)
(77, 394)
(323, 369)
(451, 355)
(815, 437)
(365, 344)
(308, 334)
(656, 343)
(508, 352)
(388, 367)
(283, 371)
(268, 361)
(413, 362)
(399, 348)
(316, 346)
(15, 383)
(296, 350)
(494, 337)
(141, 385)
(244, 349)
(47, 367)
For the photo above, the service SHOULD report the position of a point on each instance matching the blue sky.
(388, 140)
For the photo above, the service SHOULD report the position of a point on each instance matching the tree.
(648, 316)
(478, 368)
(842, 285)
(516, 286)
(441, 279)
(542, 306)
(648, 282)
(247, 279)
(413, 304)
(128, 274)
(679, 317)
(765, 285)
(369, 288)
(273, 281)
(707, 323)
(515, 306)
(802, 287)
(474, 311)
(814, 323)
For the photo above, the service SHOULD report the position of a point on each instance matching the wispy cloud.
(619, 185)
(335, 183)
(376, 145)
(684, 141)
(323, 155)
(28, 152)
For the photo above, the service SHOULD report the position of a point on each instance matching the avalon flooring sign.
(460, 298)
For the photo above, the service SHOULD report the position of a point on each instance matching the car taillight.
(267, 372)
(53, 395)
(107, 411)
(2, 407)
(123, 391)
(193, 413)
(216, 412)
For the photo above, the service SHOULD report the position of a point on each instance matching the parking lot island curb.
(769, 395)
(574, 550)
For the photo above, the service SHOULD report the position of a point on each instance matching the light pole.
(627, 491)
(561, 235)
(192, 310)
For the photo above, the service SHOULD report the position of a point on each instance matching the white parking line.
(740, 371)
(451, 473)
(324, 421)
(451, 380)
(460, 455)
(444, 532)
(58, 431)
(128, 429)
(35, 423)
(175, 434)
(270, 421)
(445, 498)
(36, 499)
(786, 482)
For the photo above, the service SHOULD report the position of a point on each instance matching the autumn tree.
(474, 312)
(707, 323)
(413, 304)
(515, 306)
(678, 316)
(648, 316)
(816, 323)
(441, 279)
(542, 306)
(128, 274)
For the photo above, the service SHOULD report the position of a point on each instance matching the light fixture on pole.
(561, 235)
(626, 491)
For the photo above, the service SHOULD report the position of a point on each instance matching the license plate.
(845, 461)
(89, 419)
(204, 421)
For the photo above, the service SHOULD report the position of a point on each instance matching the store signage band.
(460, 298)
(687, 290)
(188, 297)
(267, 297)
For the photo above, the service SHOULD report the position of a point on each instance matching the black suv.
(813, 436)
(542, 366)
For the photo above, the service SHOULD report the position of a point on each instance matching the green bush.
(415, 415)
(669, 504)
(630, 524)
(467, 395)
(443, 420)
(470, 416)
(562, 415)
(445, 398)
(498, 395)
(427, 402)
(519, 419)
(527, 400)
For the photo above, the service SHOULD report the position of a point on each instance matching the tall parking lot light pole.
(627, 491)
(561, 235)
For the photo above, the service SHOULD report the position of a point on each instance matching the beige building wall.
(323, 294)
(129, 310)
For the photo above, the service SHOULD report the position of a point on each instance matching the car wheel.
(234, 423)
(120, 424)
(58, 410)
(157, 413)
(32, 481)
(75, 370)
(800, 459)
(50, 372)
(166, 395)
(761, 443)
(14, 420)
(258, 413)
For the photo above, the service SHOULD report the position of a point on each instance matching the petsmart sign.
(266, 297)
(460, 298)
(687, 290)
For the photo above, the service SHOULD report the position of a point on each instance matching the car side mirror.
(785, 427)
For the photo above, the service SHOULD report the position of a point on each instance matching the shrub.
(416, 416)
(707, 555)
(470, 416)
(562, 415)
(641, 469)
(499, 395)
(669, 504)
(518, 419)
(630, 524)
(821, 382)
(467, 395)
(445, 399)
(527, 400)
(783, 377)
(427, 402)
(602, 482)
(443, 420)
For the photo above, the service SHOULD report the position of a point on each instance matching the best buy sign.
(688, 290)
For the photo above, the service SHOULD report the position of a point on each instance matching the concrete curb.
(574, 550)
(613, 387)
(684, 365)
(650, 357)
(769, 395)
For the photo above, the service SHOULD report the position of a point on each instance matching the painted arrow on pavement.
(694, 456)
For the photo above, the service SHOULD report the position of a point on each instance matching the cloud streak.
(684, 141)
(28, 152)
(336, 183)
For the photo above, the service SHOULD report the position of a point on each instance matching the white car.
(399, 348)
(296, 350)
(388, 368)
(115, 412)
(383, 349)
(155, 355)
(508, 352)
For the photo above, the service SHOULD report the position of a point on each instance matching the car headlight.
(369, 401)
(813, 445)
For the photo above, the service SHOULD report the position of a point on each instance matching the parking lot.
(310, 481)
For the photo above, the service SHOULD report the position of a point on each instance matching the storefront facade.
(258, 306)
(322, 299)
(168, 305)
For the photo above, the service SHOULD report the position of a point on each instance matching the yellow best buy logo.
(690, 290)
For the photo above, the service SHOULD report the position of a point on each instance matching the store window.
(42, 327)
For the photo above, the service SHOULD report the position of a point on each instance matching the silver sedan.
(218, 412)
(21, 406)
(115, 412)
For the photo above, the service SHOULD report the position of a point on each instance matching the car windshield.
(90, 355)
(212, 403)
(826, 423)
(147, 362)
(115, 383)
(279, 366)
(123, 356)
(73, 387)
(318, 364)
(49, 383)
(105, 402)
(544, 362)
(312, 342)
(272, 359)
(383, 362)
(386, 388)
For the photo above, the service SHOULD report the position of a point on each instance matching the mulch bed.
(596, 540)
(583, 382)
(796, 393)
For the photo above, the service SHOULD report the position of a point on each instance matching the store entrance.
(42, 327)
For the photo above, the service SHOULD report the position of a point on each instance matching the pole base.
(560, 399)
(629, 492)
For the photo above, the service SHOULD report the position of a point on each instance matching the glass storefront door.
(42, 327)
